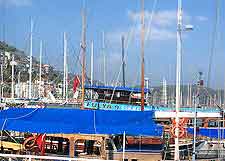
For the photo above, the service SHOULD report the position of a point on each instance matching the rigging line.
(208, 94)
(213, 45)
(148, 33)
(78, 62)
(23, 116)
(121, 66)
(149, 28)
(130, 33)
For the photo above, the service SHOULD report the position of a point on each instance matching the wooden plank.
(80, 136)
(14, 146)
(72, 144)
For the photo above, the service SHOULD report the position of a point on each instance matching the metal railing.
(11, 157)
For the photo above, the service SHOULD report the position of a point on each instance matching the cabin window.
(107, 94)
(123, 94)
(134, 160)
(125, 159)
(87, 146)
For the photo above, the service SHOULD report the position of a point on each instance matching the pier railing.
(11, 157)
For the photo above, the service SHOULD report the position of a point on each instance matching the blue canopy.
(209, 132)
(117, 88)
(71, 121)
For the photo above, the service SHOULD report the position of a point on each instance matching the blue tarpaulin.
(71, 121)
(209, 132)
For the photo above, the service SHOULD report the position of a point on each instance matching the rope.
(213, 47)
(131, 32)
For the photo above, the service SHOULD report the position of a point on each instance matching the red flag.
(40, 140)
(76, 83)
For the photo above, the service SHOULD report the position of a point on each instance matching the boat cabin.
(121, 95)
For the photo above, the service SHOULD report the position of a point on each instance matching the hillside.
(22, 67)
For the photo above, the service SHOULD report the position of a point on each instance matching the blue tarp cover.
(71, 121)
(209, 132)
(117, 88)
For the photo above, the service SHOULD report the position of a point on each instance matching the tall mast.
(92, 64)
(40, 69)
(31, 54)
(83, 47)
(178, 77)
(142, 56)
(2, 79)
(165, 92)
(188, 95)
(65, 83)
(123, 61)
(12, 88)
(197, 102)
(104, 58)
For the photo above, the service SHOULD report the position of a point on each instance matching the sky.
(115, 18)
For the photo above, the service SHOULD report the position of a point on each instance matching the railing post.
(10, 159)
(29, 158)
(72, 144)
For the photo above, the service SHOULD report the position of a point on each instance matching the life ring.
(181, 132)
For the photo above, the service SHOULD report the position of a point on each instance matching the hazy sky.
(117, 18)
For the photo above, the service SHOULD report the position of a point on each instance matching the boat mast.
(104, 58)
(12, 87)
(83, 47)
(165, 100)
(31, 54)
(142, 56)
(65, 83)
(123, 61)
(2, 79)
(178, 77)
(92, 65)
(40, 69)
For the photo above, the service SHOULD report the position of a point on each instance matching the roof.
(75, 121)
(118, 88)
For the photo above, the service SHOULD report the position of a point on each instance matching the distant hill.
(22, 67)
